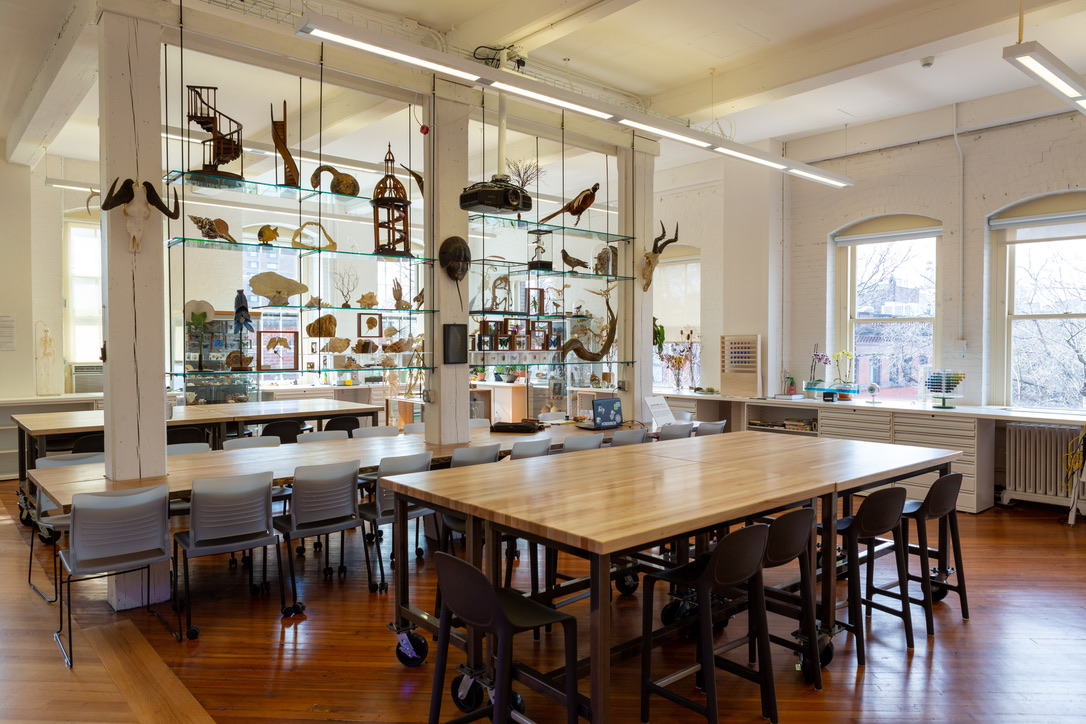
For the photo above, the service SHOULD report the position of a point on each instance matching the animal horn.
(657, 240)
(155, 200)
(109, 202)
(672, 240)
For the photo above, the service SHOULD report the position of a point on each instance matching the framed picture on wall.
(369, 324)
(277, 351)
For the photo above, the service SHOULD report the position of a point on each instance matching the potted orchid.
(842, 361)
(813, 383)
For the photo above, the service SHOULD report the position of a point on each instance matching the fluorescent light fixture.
(816, 177)
(59, 183)
(1042, 66)
(753, 159)
(662, 132)
(552, 100)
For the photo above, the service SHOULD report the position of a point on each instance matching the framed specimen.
(312, 347)
(455, 343)
(554, 341)
(520, 342)
(492, 326)
(503, 342)
(277, 351)
(538, 340)
(516, 326)
(369, 325)
(484, 342)
(533, 300)
(539, 325)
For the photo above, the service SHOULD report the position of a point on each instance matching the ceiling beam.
(531, 25)
(67, 75)
(905, 32)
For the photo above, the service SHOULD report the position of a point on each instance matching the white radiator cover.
(1035, 463)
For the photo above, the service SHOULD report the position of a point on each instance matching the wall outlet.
(622, 385)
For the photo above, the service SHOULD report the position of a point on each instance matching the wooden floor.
(1020, 658)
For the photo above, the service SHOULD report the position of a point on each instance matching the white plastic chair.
(325, 500)
(379, 511)
(322, 435)
(228, 514)
(414, 427)
(710, 428)
(675, 431)
(183, 448)
(531, 448)
(51, 526)
(682, 415)
(238, 443)
(377, 431)
(633, 436)
(478, 422)
(113, 532)
(576, 443)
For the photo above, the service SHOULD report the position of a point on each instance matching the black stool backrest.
(346, 422)
(942, 497)
(879, 513)
(286, 430)
(92, 443)
(789, 535)
(738, 556)
(468, 593)
(178, 435)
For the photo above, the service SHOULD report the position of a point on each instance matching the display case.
(345, 311)
(540, 292)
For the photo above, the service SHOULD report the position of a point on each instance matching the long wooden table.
(35, 428)
(606, 503)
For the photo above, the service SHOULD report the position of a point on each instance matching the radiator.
(1035, 455)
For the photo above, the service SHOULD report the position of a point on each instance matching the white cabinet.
(971, 435)
(855, 423)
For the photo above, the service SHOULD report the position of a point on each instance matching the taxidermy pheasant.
(572, 261)
(576, 207)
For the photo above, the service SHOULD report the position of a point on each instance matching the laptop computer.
(606, 414)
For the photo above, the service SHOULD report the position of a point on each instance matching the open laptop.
(606, 414)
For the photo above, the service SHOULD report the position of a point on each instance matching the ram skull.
(136, 201)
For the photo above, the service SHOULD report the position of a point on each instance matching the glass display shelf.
(568, 363)
(528, 315)
(520, 269)
(534, 227)
(258, 188)
(384, 312)
(303, 252)
(247, 373)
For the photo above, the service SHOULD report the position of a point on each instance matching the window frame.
(71, 320)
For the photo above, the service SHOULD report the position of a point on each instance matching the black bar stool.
(736, 561)
(878, 514)
(939, 504)
(467, 594)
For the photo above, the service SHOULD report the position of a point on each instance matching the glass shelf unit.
(505, 223)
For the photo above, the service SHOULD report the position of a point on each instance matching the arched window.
(887, 302)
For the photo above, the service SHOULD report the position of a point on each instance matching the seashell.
(323, 326)
(390, 331)
(235, 360)
(314, 302)
(400, 345)
(365, 346)
(212, 229)
(335, 345)
(350, 364)
(367, 300)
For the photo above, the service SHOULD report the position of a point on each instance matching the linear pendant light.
(332, 30)
(1043, 67)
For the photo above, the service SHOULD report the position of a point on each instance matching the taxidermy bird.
(572, 261)
(212, 229)
(576, 207)
(241, 313)
(136, 201)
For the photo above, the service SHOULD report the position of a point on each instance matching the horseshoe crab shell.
(454, 256)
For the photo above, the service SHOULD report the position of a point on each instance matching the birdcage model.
(390, 202)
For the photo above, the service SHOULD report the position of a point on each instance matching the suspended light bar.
(336, 31)
(59, 183)
(1043, 67)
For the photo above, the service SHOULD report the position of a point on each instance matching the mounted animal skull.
(136, 202)
(652, 258)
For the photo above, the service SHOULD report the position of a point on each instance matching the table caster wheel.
(233, 562)
(26, 517)
(825, 656)
(417, 653)
(419, 552)
(627, 584)
(317, 545)
(370, 538)
(380, 534)
(373, 587)
(265, 587)
(300, 550)
(327, 571)
(383, 586)
(472, 699)
(298, 607)
(254, 589)
(192, 633)
(288, 611)
(246, 561)
(48, 536)
(342, 570)
(674, 611)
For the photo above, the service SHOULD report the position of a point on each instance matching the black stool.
(736, 561)
(939, 504)
(879, 513)
(467, 594)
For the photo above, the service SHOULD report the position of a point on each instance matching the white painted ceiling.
(773, 69)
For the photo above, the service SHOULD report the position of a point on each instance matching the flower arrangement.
(682, 354)
(844, 377)
(818, 358)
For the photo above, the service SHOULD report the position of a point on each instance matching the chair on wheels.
(710, 428)
(576, 443)
(92, 443)
(633, 436)
(878, 514)
(228, 514)
(175, 435)
(52, 525)
(469, 596)
(324, 500)
(113, 532)
(345, 422)
(736, 561)
(940, 504)
(380, 512)
(323, 435)
(286, 430)
(675, 431)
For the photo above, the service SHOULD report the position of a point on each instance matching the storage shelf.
(228, 373)
(259, 188)
(249, 246)
(520, 269)
(504, 222)
(567, 363)
(527, 315)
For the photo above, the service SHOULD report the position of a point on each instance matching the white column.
(133, 290)
(635, 169)
(446, 177)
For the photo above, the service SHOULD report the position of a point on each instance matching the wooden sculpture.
(390, 212)
(224, 145)
(279, 140)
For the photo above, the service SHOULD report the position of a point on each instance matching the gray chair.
(682, 415)
(114, 532)
(238, 443)
(184, 448)
(463, 457)
(52, 525)
(576, 443)
(675, 431)
(634, 436)
(377, 431)
(412, 427)
(531, 448)
(228, 514)
(710, 428)
(323, 435)
(379, 511)
(478, 422)
(324, 500)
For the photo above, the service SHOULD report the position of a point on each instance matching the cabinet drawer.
(969, 453)
(855, 424)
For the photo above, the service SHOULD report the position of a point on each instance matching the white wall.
(16, 368)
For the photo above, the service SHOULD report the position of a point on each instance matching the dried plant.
(345, 283)
(525, 172)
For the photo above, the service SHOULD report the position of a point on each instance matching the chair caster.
(327, 571)
(419, 552)
(342, 570)
(373, 587)
(627, 585)
(417, 655)
(300, 550)
(287, 611)
(369, 538)
(472, 700)
(254, 589)
(192, 633)
(317, 545)
(298, 607)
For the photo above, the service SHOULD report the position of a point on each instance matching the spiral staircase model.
(224, 145)
(279, 138)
